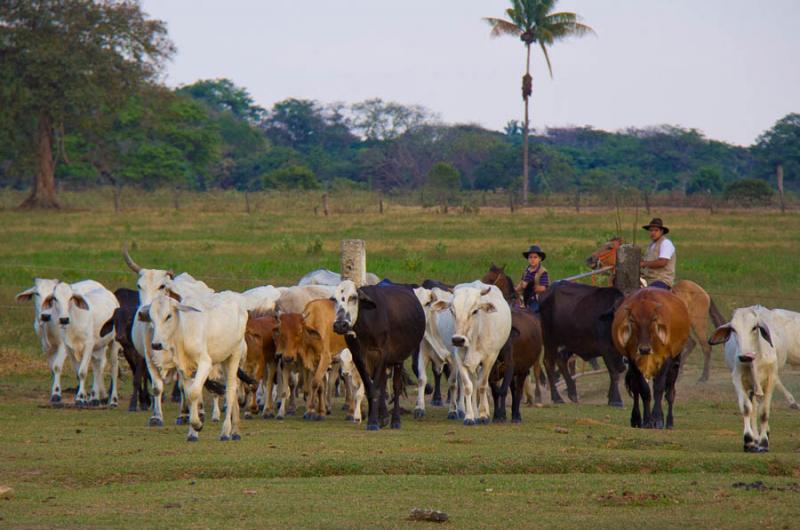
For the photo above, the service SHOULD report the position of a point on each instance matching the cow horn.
(129, 260)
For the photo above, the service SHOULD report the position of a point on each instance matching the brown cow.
(650, 329)
(261, 363)
(513, 365)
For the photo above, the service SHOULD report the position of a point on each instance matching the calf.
(201, 332)
(80, 318)
(383, 326)
(482, 328)
(354, 384)
(261, 363)
(46, 328)
(758, 342)
(122, 324)
(650, 329)
(327, 277)
(514, 364)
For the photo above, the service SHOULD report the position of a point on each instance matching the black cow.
(122, 323)
(577, 318)
(383, 326)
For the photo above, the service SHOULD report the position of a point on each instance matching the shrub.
(292, 177)
(749, 192)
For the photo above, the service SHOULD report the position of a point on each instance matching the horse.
(497, 276)
(697, 300)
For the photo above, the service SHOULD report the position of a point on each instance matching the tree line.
(91, 111)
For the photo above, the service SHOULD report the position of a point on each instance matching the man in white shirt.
(658, 265)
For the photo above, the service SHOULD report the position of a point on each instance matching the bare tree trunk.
(175, 197)
(511, 200)
(43, 194)
(646, 197)
(578, 201)
(779, 175)
(246, 202)
(325, 204)
(525, 94)
(117, 197)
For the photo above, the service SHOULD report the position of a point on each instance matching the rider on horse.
(535, 280)
(658, 265)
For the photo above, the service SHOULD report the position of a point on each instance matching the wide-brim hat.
(658, 223)
(534, 250)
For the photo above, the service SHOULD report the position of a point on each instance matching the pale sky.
(729, 68)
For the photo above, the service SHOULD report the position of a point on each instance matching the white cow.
(261, 300)
(437, 348)
(151, 283)
(196, 334)
(482, 328)
(353, 382)
(80, 317)
(326, 277)
(758, 343)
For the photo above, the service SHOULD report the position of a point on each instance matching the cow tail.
(214, 387)
(715, 314)
(245, 377)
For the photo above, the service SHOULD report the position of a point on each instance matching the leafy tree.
(533, 21)
(443, 183)
(63, 59)
(222, 95)
(377, 120)
(292, 177)
(778, 149)
(749, 192)
(707, 178)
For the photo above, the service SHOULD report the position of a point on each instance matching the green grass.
(105, 468)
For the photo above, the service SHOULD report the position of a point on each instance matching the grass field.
(103, 468)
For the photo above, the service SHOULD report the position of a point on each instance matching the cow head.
(163, 314)
(348, 300)
(151, 282)
(42, 288)
(748, 328)
(642, 328)
(289, 336)
(61, 302)
(465, 305)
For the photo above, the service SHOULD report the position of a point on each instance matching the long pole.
(525, 129)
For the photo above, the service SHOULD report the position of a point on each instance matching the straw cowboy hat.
(534, 250)
(658, 223)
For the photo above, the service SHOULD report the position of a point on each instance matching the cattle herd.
(266, 348)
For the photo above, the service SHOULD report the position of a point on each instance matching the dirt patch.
(631, 498)
(759, 485)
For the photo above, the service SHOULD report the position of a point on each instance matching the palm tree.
(533, 21)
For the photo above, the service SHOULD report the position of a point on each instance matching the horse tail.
(715, 314)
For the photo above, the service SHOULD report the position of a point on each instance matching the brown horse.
(497, 276)
(697, 300)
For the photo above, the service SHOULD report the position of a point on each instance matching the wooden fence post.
(354, 261)
(325, 203)
(627, 274)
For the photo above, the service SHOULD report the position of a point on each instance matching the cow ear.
(514, 332)
(26, 295)
(48, 302)
(440, 305)
(366, 300)
(171, 275)
(662, 333)
(79, 301)
(144, 314)
(187, 308)
(488, 307)
(313, 333)
(107, 328)
(486, 291)
(175, 296)
(720, 335)
(623, 333)
(765, 334)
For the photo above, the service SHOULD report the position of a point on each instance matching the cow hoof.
(214, 420)
(395, 424)
(452, 415)
(469, 422)
(349, 417)
(236, 437)
(437, 403)
(461, 414)
(224, 438)
(751, 449)
(192, 438)
(498, 420)
(483, 421)
(155, 422)
(558, 401)
(573, 398)
(113, 404)
(373, 427)
(133, 408)
(419, 414)
(615, 404)
(55, 398)
(248, 415)
(345, 407)
(181, 420)
(268, 416)
(95, 403)
(516, 420)
(794, 406)
(308, 416)
(279, 417)
(319, 417)
(703, 379)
